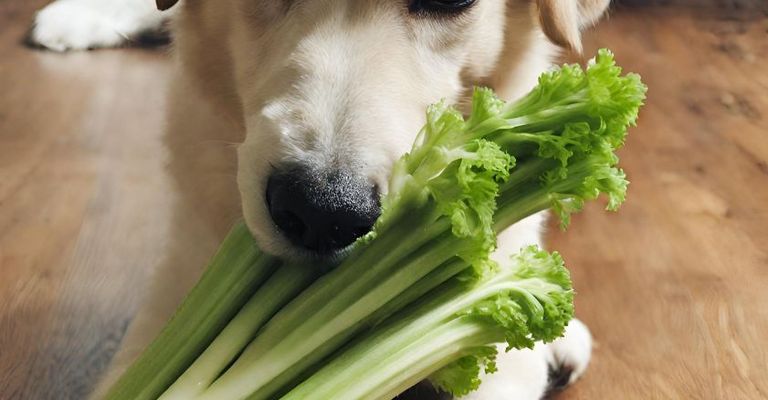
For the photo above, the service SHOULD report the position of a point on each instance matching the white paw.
(70, 25)
(530, 373)
(572, 352)
(521, 375)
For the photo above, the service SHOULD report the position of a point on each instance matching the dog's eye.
(439, 6)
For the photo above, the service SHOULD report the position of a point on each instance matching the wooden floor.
(674, 287)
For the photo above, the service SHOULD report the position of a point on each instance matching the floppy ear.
(165, 4)
(562, 20)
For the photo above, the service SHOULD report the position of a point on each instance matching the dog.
(291, 114)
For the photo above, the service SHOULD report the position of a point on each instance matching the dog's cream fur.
(325, 82)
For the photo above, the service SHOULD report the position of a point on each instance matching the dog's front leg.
(201, 171)
(171, 280)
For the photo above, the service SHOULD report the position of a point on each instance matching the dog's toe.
(570, 356)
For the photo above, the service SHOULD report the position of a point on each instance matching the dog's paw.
(570, 355)
(521, 375)
(70, 25)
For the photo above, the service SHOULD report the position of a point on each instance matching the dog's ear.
(562, 20)
(165, 4)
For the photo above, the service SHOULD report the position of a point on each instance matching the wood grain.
(673, 286)
(83, 205)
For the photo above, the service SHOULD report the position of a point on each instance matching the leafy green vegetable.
(449, 334)
(233, 275)
(463, 181)
(282, 286)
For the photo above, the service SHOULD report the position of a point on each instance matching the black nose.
(321, 211)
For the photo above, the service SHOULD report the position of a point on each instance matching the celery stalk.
(279, 289)
(236, 271)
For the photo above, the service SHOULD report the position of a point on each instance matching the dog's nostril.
(289, 221)
(319, 210)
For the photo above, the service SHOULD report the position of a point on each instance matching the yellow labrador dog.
(321, 96)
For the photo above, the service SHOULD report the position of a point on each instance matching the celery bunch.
(422, 277)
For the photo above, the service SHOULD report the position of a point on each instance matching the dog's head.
(331, 92)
